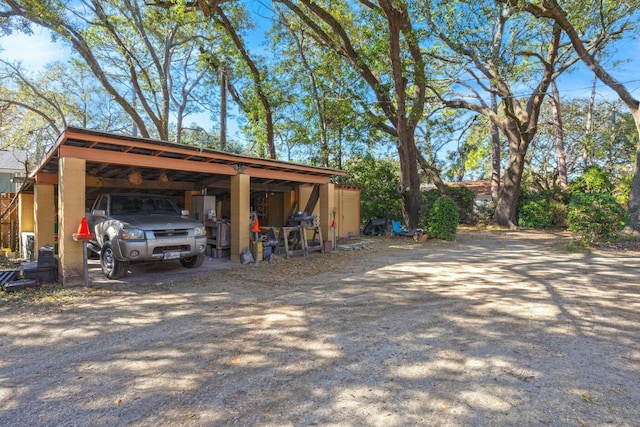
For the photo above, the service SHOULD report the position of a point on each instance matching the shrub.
(594, 180)
(465, 200)
(595, 216)
(443, 219)
(542, 209)
(463, 197)
(428, 200)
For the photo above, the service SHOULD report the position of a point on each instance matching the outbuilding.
(84, 163)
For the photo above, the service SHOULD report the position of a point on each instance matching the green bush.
(595, 216)
(463, 197)
(428, 200)
(542, 209)
(594, 180)
(465, 200)
(443, 219)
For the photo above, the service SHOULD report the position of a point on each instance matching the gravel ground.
(495, 329)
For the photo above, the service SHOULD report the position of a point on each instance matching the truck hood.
(157, 221)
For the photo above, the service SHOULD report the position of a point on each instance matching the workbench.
(292, 240)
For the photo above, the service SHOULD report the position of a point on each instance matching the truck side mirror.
(184, 212)
(98, 212)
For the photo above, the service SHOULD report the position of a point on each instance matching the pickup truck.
(143, 227)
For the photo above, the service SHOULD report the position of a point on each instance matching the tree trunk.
(557, 118)
(633, 206)
(433, 174)
(495, 152)
(223, 108)
(588, 128)
(318, 99)
(507, 207)
(410, 180)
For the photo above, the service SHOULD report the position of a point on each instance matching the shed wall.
(348, 211)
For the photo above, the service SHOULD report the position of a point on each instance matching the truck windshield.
(123, 205)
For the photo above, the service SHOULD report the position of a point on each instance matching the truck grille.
(170, 233)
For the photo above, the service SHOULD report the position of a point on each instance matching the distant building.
(12, 163)
(482, 189)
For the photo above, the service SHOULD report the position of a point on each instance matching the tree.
(38, 106)
(598, 23)
(232, 18)
(256, 75)
(563, 180)
(379, 42)
(488, 52)
(318, 96)
(142, 57)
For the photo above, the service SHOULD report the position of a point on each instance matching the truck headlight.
(131, 234)
(199, 231)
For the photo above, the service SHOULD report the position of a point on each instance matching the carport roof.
(113, 159)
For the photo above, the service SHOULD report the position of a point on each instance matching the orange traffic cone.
(83, 231)
(256, 227)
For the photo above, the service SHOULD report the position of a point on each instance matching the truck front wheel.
(111, 267)
(192, 261)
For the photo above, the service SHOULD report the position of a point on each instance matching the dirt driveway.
(495, 329)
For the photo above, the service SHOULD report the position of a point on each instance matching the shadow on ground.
(493, 329)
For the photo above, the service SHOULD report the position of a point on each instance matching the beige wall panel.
(288, 202)
(304, 193)
(240, 194)
(326, 207)
(275, 210)
(348, 207)
(45, 215)
(25, 219)
(71, 203)
(25, 211)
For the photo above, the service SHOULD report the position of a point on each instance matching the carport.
(84, 163)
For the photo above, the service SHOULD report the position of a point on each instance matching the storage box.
(30, 270)
(46, 257)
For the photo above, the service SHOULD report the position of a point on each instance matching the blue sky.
(577, 84)
(34, 51)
